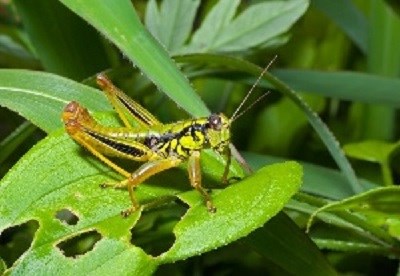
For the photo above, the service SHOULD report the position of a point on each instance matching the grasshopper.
(161, 146)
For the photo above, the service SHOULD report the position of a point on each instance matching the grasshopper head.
(218, 131)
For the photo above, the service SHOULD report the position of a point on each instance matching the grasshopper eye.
(215, 121)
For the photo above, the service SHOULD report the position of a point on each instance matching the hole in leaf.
(67, 217)
(16, 240)
(79, 245)
(153, 232)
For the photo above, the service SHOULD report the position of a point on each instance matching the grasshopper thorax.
(218, 131)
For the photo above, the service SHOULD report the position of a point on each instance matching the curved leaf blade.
(352, 86)
(281, 240)
(69, 47)
(118, 21)
(347, 16)
(378, 207)
(241, 208)
(41, 97)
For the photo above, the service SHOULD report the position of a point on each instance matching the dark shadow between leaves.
(153, 233)
(16, 240)
(233, 259)
(67, 216)
(79, 245)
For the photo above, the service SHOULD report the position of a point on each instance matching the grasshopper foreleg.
(225, 179)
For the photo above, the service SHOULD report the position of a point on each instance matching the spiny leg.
(194, 171)
(141, 174)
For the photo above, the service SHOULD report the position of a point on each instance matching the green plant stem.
(365, 229)
(353, 247)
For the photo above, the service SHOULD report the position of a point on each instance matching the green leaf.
(383, 59)
(283, 124)
(216, 20)
(14, 140)
(3, 266)
(41, 97)
(118, 21)
(172, 24)
(64, 43)
(379, 207)
(241, 208)
(318, 180)
(254, 26)
(346, 15)
(373, 151)
(13, 54)
(280, 244)
(343, 230)
(352, 86)
(260, 23)
(62, 180)
(394, 5)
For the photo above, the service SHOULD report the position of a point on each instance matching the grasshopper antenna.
(234, 115)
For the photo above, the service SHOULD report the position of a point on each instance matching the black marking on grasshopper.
(135, 112)
(170, 143)
(117, 146)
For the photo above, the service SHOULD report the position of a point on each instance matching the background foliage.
(337, 60)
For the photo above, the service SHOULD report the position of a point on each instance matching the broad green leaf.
(64, 43)
(379, 207)
(118, 21)
(260, 23)
(172, 24)
(241, 208)
(41, 97)
(353, 86)
(373, 151)
(280, 244)
(346, 15)
(256, 25)
(62, 180)
(212, 26)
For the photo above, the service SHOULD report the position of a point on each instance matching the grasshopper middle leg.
(141, 174)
